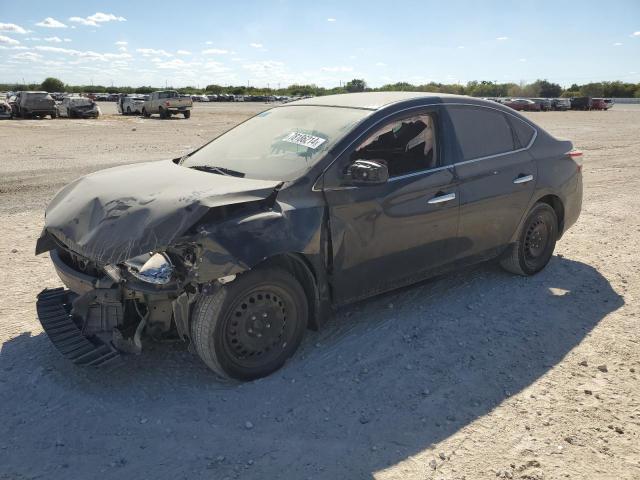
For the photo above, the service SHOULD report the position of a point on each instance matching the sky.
(277, 43)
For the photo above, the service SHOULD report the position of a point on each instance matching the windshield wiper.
(218, 170)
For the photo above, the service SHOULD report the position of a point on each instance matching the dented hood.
(115, 214)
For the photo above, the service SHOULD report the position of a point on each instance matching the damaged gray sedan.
(243, 244)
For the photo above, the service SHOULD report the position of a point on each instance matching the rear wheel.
(187, 114)
(248, 328)
(128, 110)
(145, 113)
(53, 115)
(536, 242)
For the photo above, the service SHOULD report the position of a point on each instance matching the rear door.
(497, 175)
(389, 234)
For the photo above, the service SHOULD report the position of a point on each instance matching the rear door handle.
(445, 197)
(523, 179)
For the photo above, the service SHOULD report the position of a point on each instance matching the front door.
(390, 234)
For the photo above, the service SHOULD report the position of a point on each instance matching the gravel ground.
(473, 375)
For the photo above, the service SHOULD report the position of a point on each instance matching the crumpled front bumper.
(54, 312)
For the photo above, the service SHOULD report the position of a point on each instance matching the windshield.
(279, 144)
(81, 101)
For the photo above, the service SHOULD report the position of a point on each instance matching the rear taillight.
(576, 156)
(167, 103)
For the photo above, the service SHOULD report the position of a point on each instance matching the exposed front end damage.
(134, 266)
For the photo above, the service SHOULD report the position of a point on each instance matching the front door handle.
(523, 179)
(445, 197)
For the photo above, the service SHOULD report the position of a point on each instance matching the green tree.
(52, 84)
(356, 85)
(592, 90)
(214, 89)
(548, 89)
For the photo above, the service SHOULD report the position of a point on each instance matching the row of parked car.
(560, 104)
(42, 104)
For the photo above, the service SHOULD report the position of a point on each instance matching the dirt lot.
(474, 375)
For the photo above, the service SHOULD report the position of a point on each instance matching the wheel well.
(303, 271)
(554, 202)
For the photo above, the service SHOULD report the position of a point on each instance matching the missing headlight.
(156, 268)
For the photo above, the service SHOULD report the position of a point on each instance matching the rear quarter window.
(523, 131)
(481, 132)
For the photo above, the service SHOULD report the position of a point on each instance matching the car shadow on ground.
(385, 379)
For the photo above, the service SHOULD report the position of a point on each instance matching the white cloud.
(88, 55)
(522, 59)
(174, 64)
(8, 41)
(330, 19)
(122, 49)
(66, 39)
(13, 47)
(30, 56)
(11, 27)
(53, 40)
(337, 69)
(208, 42)
(636, 34)
(502, 38)
(267, 68)
(215, 51)
(122, 43)
(183, 52)
(96, 19)
(147, 52)
(255, 45)
(617, 44)
(460, 47)
(51, 23)
(381, 64)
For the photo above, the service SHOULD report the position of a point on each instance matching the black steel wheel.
(248, 328)
(535, 244)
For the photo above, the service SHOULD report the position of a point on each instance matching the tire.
(128, 111)
(54, 115)
(162, 113)
(233, 328)
(145, 113)
(535, 244)
(187, 114)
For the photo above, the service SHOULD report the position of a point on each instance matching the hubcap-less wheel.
(256, 331)
(536, 239)
(248, 328)
(535, 244)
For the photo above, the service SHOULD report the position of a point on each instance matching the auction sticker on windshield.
(304, 139)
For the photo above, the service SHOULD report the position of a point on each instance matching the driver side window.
(406, 146)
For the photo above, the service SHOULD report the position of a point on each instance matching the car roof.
(378, 100)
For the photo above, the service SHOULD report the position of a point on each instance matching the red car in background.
(600, 104)
(523, 105)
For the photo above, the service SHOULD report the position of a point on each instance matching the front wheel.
(248, 328)
(145, 113)
(535, 244)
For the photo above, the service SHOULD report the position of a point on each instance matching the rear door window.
(481, 132)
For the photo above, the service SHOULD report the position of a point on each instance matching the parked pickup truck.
(167, 103)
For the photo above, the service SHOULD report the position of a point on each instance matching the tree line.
(484, 88)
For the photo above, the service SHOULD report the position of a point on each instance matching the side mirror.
(367, 172)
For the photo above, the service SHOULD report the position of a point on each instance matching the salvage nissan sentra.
(243, 244)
